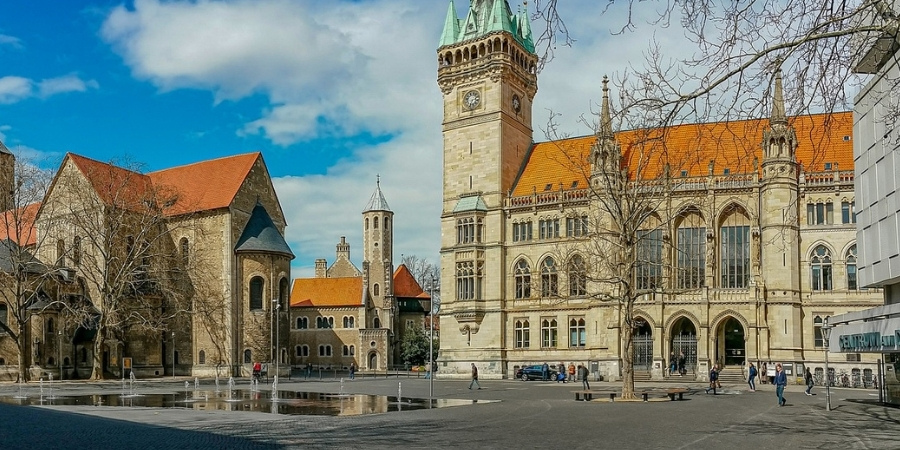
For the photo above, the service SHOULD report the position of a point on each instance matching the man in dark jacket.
(583, 374)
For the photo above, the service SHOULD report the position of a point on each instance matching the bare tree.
(122, 251)
(427, 274)
(25, 279)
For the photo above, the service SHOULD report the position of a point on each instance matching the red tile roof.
(327, 292)
(205, 185)
(114, 185)
(18, 225)
(406, 286)
(821, 138)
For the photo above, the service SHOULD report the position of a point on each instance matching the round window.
(372, 344)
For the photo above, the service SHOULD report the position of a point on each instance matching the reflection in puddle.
(287, 402)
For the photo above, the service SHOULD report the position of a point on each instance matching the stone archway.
(642, 342)
(683, 340)
(731, 342)
(373, 361)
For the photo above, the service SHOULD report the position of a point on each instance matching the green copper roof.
(485, 17)
(473, 203)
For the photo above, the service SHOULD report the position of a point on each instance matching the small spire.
(377, 201)
(450, 34)
(778, 115)
(605, 121)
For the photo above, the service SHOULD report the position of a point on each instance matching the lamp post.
(277, 329)
(431, 341)
(59, 353)
(826, 333)
(173, 355)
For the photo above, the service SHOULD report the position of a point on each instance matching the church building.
(749, 247)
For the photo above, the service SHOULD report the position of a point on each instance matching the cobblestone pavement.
(527, 415)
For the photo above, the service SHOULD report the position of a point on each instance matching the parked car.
(534, 373)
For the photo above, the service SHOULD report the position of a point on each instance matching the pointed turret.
(260, 235)
(451, 27)
(500, 18)
(377, 201)
(778, 115)
(525, 30)
(605, 119)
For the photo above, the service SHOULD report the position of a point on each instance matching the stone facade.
(510, 209)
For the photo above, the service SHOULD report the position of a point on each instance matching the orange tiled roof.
(205, 185)
(200, 186)
(405, 285)
(333, 292)
(732, 145)
(18, 225)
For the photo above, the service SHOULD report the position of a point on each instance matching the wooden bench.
(673, 392)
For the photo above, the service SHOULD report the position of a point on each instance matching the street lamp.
(277, 330)
(173, 355)
(59, 353)
(826, 333)
(431, 342)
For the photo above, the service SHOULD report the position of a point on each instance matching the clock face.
(516, 103)
(472, 99)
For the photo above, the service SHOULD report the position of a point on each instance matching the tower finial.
(377, 180)
(778, 114)
(605, 121)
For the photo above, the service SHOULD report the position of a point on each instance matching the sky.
(332, 92)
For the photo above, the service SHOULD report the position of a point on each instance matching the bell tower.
(378, 255)
(487, 73)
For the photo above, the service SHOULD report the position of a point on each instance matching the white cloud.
(2, 134)
(339, 68)
(14, 89)
(11, 41)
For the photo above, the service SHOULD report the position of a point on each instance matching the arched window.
(648, 267)
(76, 250)
(256, 293)
(523, 334)
(376, 290)
(248, 356)
(818, 337)
(735, 251)
(376, 323)
(820, 263)
(367, 223)
(302, 323)
(375, 223)
(330, 322)
(298, 350)
(577, 332)
(346, 349)
(851, 269)
(387, 223)
(549, 278)
(50, 329)
(348, 322)
(523, 279)
(283, 293)
(577, 277)
(185, 251)
(201, 357)
(352, 350)
(690, 240)
(548, 333)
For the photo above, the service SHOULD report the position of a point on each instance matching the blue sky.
(331, 92)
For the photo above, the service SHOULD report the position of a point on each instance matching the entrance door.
(643, 347)
(373, 361)
(684, 340)
(732, 336)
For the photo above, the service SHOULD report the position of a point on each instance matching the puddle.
(288, 402)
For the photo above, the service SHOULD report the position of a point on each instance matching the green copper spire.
(525, 30)
(500, 18)
(451, 27)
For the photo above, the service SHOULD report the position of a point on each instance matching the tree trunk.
(23, 361)
(97, 359)
(628, 362)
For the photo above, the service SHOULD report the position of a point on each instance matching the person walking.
(751, 380)
(673, 363)
(681, 361)
(572, 371)
(474, 377)
(780, 383)
(352, 370)
(763, 374)
(713, 379)
(583, 374)
(809, 381)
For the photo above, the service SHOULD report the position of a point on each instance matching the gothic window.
(76, 251)
(60, 252)
(367, 223)
(376, 323)
(548, 228)
(50, 329)
(201, 357)
(468, 281)
(735, 252)
(299, 350)
(820, 213)
(523, 279)
(818, 337)
(577, 277)
(375, 223)
(648, 267)
(346, 351)
(577, 332)
(386, 223)
(848, 212)
(851, 269)
(820, 264)
(376, 290)
(256, 293)
(185, 251)
(468, 230)
(548, 333)
(352, 350)
(523, 334)
(348, 322)
(248, 356)
(577, 226)
(303, 350)
(302, 323)
(522, 231)
(549, 278)
(690, 241)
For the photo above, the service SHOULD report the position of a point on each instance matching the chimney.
(321, 268)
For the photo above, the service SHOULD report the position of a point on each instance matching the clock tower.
(487, 73)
